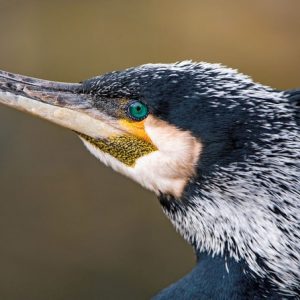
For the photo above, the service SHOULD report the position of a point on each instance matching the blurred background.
(71, 228)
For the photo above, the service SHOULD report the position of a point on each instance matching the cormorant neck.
(241, 212)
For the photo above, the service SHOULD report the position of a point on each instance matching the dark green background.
(69, 227)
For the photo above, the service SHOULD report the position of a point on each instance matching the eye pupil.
(137, 110)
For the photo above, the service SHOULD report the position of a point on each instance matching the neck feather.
(248, 212)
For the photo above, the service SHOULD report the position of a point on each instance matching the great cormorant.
(221, 152)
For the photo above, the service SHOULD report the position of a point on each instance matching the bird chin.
(164, 165)
(126, 148)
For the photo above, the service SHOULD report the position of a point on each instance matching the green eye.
(137, 110)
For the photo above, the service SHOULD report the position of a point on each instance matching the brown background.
(69, 227)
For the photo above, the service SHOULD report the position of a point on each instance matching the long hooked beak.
(61, 103)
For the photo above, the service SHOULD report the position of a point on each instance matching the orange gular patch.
(135, 128)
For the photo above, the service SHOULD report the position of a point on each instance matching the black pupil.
(138, 108)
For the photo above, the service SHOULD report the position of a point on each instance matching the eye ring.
(137, 110)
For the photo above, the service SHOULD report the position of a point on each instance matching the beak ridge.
(11, 78)
(54, 93)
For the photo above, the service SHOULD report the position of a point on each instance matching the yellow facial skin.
(135, 128)
(126, 148)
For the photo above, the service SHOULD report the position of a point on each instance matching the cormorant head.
(220, 151)
(160, 124)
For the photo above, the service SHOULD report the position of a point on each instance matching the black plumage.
(250, 164)
(240, 207)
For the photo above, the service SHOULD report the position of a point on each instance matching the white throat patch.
(166, 170)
